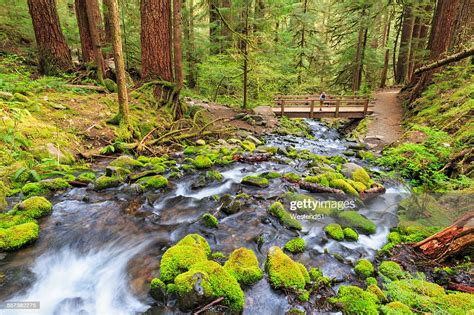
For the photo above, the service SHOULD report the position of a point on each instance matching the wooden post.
(338, 102)
(312, 109)
(282, 108)
(366, 106)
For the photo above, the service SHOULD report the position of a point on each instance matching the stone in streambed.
(254, 180)
(284, 272)
(243, 266)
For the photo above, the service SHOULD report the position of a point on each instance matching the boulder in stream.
(243, 266)
(284, 272)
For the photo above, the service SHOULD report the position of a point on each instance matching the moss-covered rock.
(255, 180)
(391, 270)
(209, 220)
(158, 289)
(284, 272)
(204, 282)
(213, 176)
(243, 266)
(354, 300)
(278, 210)
(295, 245)
(373, 288)
(127, 162)
(344, 186)
(364, 268)
(44, 187)
(104, 182)
(34, 207)
(87, 177)
(316, 276)
(271, 175)
(357, 221)
(19, 235)
(350, 234)
(197, 241)
(334, 231)
(8, 220)
(154, 182)
(248, 145)
(361, 175)
(396, 308)
(292, 177)
(202, 161)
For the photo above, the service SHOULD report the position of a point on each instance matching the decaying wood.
(372, 192)
(252, 158)
(439, 63)
(453, 240)
(460, 287)
(86, 87)
(206, 307)
(316, 188)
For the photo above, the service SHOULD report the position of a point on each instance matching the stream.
(99, 249)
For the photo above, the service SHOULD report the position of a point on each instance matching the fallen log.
(452, 241)
(372, 192)
(460, 287)
(254, 158)
(439, 63)
(316, 188)
(86, 87)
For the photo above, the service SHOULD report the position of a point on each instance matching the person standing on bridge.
(322, 98)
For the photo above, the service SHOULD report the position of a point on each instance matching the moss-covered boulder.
(295, 245)
(158, 289)
(350, 234)
(292, 177)
(396, 308)
(316, 276)
(153, 182)
(104, 182)
(391, 270)
(34, 207)
(284, 272)
(179, 258)
(243, 266)
(206, 281)
(354, 300)
(278, 210)
(355, 220)
(45, 186)
(202, 161)
(334, 231)
(344, 186)
(127, 162)
(364, 268)
(209, 220)
(255, 180)
(19, 235)
(8, 220)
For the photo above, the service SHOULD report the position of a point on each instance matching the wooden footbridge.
(309, 106)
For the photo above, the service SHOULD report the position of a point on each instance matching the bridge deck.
(326, 112)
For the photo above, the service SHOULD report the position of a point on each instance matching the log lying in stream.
(254, 158)
(372, 192)
(316, 188)
(450, 242)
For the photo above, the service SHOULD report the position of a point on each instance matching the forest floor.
(384, 126)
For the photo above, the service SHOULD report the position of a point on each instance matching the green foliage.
(295, 245)
(243, 266)
(364, 268)
(209, 220)
(334, 231)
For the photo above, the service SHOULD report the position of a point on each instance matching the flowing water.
(98, 250)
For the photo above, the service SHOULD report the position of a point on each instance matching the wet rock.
(230, 205)
(127, 162)
(199, 183)
(254, 180)
(111, 171)
(254, 140)
(348, 168)
(243, 266)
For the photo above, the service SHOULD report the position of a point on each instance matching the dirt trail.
(385, 124)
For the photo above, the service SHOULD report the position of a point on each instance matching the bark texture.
(405, 42)
(83, 24)
(54, 54)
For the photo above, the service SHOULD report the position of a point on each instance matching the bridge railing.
(313, 100)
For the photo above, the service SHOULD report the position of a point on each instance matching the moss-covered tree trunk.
(405, 43)
(94, 19)
(84, 33)
(53, 52)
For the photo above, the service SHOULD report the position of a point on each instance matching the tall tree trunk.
(421, 43)
(245, 54)
(113, 17)
(156, 46)
(464, 24)
(214, 26)
(405, 41)
(191, 75)
(84, 32)
(386, 36)
(94, 20)
(178, 56)
(414, 43)
(395, 45)
(302, 44)
(107, 34)
(226, 34)
(53, 52)
(442, 33)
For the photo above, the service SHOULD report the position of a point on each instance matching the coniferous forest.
(236, 157)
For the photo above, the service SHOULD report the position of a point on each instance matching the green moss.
(104, 182)
(295, 245)
(396, 308)
(366, 155)
(197, 241)
(218, 256)
(344, 186)
(178, 259)
(202, 161)
(358, 222)
(19, 235)
(304, 296)
(87, 177)
(9, 220)
(350, 234)
(373, 288)
(43, 187)
(215, 282)
(391, 270)
(283, 272)
(255, 180)
(364, 268)
(278, 210)
(316, 276)
(292, 177)
(126, 162)
(357, 185)
(361, 175)
(370, 280)
(354, 300)
(334, 231)
(271, 175)
(209, 220)
(34, 207)
(243, 266)
(214, 175)
(3, 195)
(248, 145)
(154, 182)
(157, 284)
